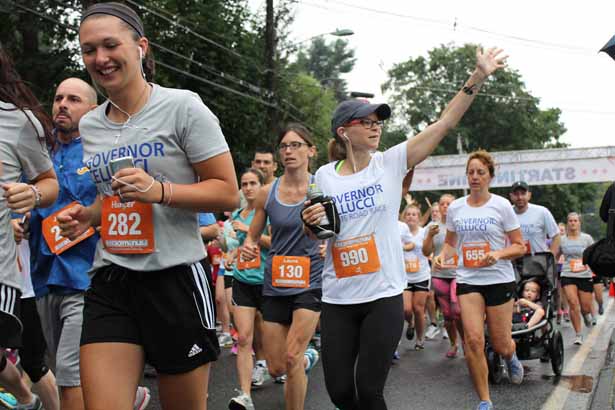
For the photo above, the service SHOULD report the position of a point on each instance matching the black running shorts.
(583, 284)
(279, 309)
(169, 312)
(494, 295)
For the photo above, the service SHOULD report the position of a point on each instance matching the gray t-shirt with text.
(23, 152)
(171, 132)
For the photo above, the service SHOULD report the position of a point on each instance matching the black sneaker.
(410, 333)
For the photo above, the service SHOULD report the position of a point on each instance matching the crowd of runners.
(126, 240)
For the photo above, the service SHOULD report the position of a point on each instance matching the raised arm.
(423, 144)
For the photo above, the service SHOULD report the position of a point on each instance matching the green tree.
(327, 62)
(504, 116)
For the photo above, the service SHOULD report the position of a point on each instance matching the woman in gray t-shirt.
(158, 157)
(23, 156)
(576, 278)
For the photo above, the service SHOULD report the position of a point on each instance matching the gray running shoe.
(260, 375)
(241, 402)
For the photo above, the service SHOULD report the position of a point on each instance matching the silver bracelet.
(37, 195)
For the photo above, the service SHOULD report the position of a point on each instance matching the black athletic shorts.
(228, 282)
(422, 286)
(494, 295)
(279, 309)
(247, 295)
(583, 284)
(10, 302)
(169, 312)
(32, 352)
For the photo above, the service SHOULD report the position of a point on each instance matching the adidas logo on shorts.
(195, 350)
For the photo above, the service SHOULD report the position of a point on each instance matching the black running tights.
(364, 335)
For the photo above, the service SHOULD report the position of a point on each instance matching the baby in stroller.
(528, 310)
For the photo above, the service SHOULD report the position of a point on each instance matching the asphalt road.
(427, 380)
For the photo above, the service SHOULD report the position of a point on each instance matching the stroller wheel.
(496, 364)
(557, 353)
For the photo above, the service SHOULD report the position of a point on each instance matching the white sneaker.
(241, 402)
(225, 340)
(260, 375)
(578, 340)
(587, 319)
(432, 331)
(444, 334)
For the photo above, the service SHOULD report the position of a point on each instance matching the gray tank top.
(288, 238)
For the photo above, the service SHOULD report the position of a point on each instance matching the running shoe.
(316, 340)
(452, 352)
(241, 402)
(594, 321)
(312, 357)
(566, 316)
(578, 340)
(420, 345)
(235, 348)
(444, 334)
(142, 398)
(7, 399)
(260, 375)
(36, 404)
(485, 405)
(396, 355)
(432, 331)
(600, 310)
(587, 319)
(515, 370)
(225, 340)
(280, 379)
(410, 333)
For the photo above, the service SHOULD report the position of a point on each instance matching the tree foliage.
(504, 116)
(327, 62)
(213, 47)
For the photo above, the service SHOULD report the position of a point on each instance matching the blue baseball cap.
(350, 110)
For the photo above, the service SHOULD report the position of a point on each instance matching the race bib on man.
(127, 227)
(245, 264)
(290, 271)
(357, 256)
(473, 252)
(51, 233)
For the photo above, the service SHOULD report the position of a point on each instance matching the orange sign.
(357, 256)
(51, 232)
(473, 252)
(451, 263)
(290, 271)
(127, 227)
(412, 265)
(252, 264)
(576, 265)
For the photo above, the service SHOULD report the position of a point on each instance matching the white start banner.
(536, 167)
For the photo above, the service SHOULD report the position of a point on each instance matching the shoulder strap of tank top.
(272, 191)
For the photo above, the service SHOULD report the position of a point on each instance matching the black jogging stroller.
(543, 341)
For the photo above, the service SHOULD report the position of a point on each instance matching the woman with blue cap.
(364, 275)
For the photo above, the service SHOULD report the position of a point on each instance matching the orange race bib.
(528, 248)
(127, 227)
(51, 232)
(243, 264)
(290, 271)
(451, 263)
(576, 265)
(412, 265)
(473, 252)
(357, 256)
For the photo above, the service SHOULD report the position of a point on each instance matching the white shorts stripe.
(209, 300)
(8, 298)
(203, 290)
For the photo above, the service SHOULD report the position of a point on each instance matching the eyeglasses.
(294, 146)
(367, 123)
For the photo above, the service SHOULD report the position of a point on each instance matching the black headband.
(119, 10)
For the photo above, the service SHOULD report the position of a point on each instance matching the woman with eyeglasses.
(364, 275)
(158, 157)
(292, 286)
